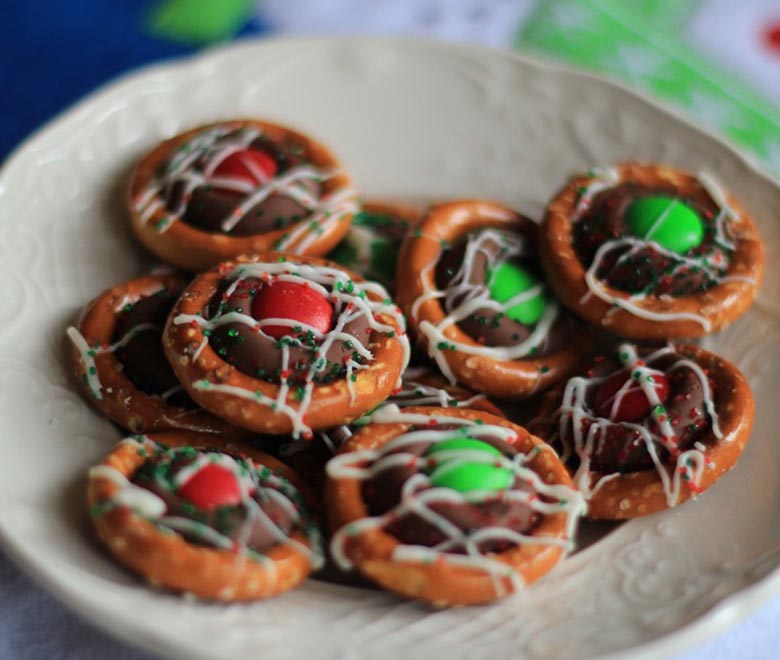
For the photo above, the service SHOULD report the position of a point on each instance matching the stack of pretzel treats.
(412, 394)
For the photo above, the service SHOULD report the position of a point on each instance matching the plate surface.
(414, 121)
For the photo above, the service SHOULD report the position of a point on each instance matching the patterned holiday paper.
(717, 60)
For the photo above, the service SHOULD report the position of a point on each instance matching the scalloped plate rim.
(725, 613)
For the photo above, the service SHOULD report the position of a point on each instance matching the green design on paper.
(198, 22)
(643, 43)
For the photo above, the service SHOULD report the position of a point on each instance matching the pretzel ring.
(127, 377)
(486, 507)
(651, 252)
(209, 528)
(286, 345)
(234, 187)
(520, 365)
(650, 431)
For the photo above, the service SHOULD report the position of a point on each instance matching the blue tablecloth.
(56, 51)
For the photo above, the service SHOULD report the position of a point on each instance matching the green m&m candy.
(371, 245)
(507, 280)
(346, 252)
(667, 221)
(465, 476)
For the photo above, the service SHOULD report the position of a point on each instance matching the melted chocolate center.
(382, 493)
(258, 355)
(236, 521)
(209, 206)
(618, 448)
(646, 270)
(484, 325)
(142, 357)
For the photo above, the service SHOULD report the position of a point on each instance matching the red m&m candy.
(633, 404)
(212, 486)
(296, 302)
(249, 165)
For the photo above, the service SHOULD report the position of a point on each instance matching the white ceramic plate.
(415, 121)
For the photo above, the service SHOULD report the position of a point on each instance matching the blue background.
(56, 51)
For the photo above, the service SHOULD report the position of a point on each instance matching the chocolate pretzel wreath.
(651, 252)
(450, 506)
(234, 187)
(649, 428)
(285, 345)
(468, 282)
(117, 357)
(196, 515)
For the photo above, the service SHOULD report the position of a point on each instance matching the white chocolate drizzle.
(211, 147)
(418, 495)
(256, 482)
(89, 353)
(473, 297)
(351, 301)
(414, 393)
(574, 415)
(411, 393)
(603, 179)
